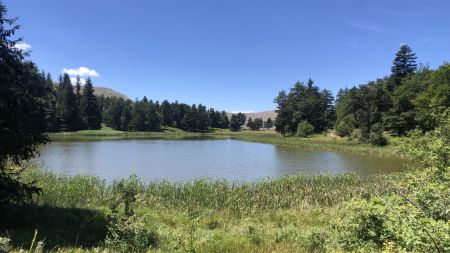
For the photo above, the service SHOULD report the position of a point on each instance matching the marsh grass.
(199, 216)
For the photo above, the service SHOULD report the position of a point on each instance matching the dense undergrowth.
(201, 216)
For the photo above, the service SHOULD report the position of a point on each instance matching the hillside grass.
(75, 213)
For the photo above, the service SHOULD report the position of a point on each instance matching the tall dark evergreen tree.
(269, 123)
(68, 112)
(404, 63)
(235, 124)
(241, 118)
(89, 107)
(166, 113)
(23, 90)
(224, 121)
(250, 123)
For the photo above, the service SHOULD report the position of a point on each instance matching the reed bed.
(296, 191)
(284, 214)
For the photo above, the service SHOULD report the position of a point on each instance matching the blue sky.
(230, 55)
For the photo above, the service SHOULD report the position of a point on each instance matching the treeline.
(149, 115)
(409, 98)
(71, 108)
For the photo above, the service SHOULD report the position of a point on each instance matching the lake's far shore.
(326, 141)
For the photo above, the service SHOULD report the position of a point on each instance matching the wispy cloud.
(81, 71)
(22, 46)
(367, 27)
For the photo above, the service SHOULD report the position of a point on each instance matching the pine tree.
(89, 108)
(241, 118)
(258, 123)
(269, 123)
(23, 91)
(224, 122)
(235, 125)
(250, 123)
(68, 112)
(166, 113)
(404, 63)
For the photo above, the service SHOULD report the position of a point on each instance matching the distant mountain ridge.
(263, 114)
(108, 92)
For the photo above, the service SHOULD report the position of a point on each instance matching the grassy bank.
(315, 142)
(283, 215)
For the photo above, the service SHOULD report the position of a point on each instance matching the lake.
(184, 160)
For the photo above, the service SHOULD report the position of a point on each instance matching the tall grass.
(295, 191)
(203, 215)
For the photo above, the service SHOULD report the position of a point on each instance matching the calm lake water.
(183, 160)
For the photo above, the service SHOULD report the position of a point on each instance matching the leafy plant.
(304, 129)
(344, 129)
(415, 217)
(129, 234)
(376, 136)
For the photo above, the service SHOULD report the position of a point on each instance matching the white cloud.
(73, 80)
(81, 71)
(22, 46)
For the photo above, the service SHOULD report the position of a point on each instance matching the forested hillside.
(411, 97)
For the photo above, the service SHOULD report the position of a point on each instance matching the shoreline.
(322, 142)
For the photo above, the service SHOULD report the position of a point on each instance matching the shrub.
(304, 129)
(128, 234)
(317, 241)
(5, 245)
(344, 129)
(377, 137)
(415, 217)
(126, 191)
(356, 134)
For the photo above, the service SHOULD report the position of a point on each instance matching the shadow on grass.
(57, 227)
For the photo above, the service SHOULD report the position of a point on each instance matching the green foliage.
(235, 125)
(13, 190)
(241, 118)
(434, 100)
(89, 108)
(377, 137)
(129, 234)
(415, 217)
(269, 123)
(126, 191)
(304, 103)
(5, 245)
(23, 90)
(304, 129)
(257, 124)
(344, 129)
(404, 62)
(317, 241)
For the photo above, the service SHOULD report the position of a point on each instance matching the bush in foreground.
(415, 217)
